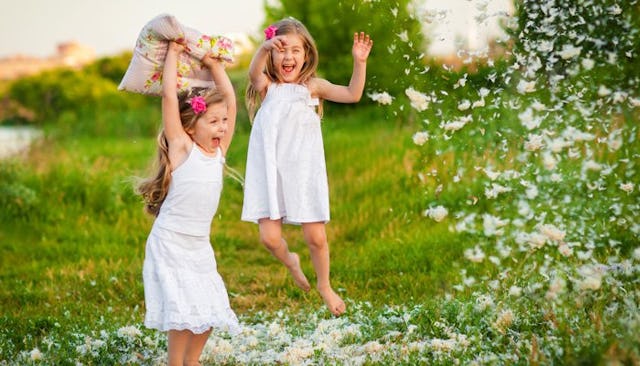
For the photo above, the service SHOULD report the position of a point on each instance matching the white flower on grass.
(615, 9)
(556, 288)
(592, 165)
(552, 232)
(603, 91)
(531, 192)
(549, 161)
(528, 120)
(492, 225)
(437, 213)
(455, 125)
(627, 187)
(591, 278)
(536, 105)
(464, 105)
(536, 240)
(495, 190)
(570, 51)
(503, 321)
(565, 250)
(515, 291)
(533, 143)
(526, 87)
(636, 254)
(588, 63)
(545, 46)
(483, 302)
(558, 144)
(443, 345)
(475, 255)
(35, 355)
(478, 103)
(382, 98)
(129, 331)
(419, 101)
(420, 138)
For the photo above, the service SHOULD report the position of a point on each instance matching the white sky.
(35, 27)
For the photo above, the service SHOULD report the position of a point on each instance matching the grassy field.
(72, 240)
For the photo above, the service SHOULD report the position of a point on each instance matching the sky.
(112, 26)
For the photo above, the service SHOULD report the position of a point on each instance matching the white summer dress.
(286, 175)
(182, 287)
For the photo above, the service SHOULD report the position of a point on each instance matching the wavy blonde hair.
(155, 188)
(286, 26)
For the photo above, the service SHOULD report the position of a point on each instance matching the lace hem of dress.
(230, 327)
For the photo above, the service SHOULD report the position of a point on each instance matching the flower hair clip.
(198, 104)
(270, 32)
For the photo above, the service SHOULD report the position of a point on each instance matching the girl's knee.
(270, 241)
(317, 241)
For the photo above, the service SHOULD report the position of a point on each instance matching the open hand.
(361, 46)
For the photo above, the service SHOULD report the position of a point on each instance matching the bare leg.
(194, 348)
(178, 341)
(271, 237)
(316, 237)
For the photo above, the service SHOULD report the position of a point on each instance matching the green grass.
(72, 237)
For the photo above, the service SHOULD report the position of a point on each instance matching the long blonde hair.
(308, 71)
(155, 188)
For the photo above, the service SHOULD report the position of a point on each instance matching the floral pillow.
(144, 74)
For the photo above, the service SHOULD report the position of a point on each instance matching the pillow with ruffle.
(144, 74)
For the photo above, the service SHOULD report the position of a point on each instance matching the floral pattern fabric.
(144, 74)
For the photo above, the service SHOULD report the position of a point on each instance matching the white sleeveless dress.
(286, 175)
(182, 287)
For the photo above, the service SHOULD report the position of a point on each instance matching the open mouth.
(288, 68)
(216, 142)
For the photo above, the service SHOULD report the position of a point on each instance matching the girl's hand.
(277, 42)
(211, 61)
(178, 46)
(361, 46)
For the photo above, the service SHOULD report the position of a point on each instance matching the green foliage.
(111, 68)
(332, 25)
(53, 93)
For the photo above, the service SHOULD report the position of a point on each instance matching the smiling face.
(210, 128)
(289, 61)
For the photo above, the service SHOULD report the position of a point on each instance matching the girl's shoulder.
(317, 86)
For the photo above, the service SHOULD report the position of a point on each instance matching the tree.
(397, 36)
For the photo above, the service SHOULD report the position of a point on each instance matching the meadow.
(484, 215)
(73, 247)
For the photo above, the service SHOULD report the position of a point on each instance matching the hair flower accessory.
(270, 31)
(198, 104)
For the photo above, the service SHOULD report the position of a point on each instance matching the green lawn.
(72, 240)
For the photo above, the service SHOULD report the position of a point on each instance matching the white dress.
(286, 175)
(182, 287)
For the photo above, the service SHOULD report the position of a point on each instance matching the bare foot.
(297, 274)
(334, 302)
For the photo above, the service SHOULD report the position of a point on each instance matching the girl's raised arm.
(223, 83)
(353, 92)
(257, 78)
(170, 107)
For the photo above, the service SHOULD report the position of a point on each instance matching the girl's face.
(288, 61)
(210, 128)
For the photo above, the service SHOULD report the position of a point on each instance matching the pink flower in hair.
(198, 104)
(270, 31)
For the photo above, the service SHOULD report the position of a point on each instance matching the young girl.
(286, 179)
(184, 294)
